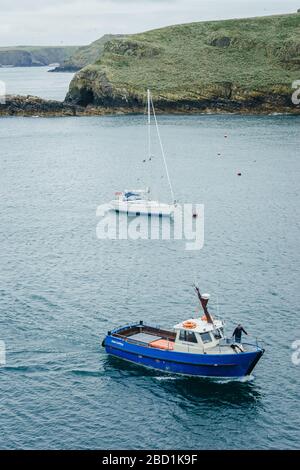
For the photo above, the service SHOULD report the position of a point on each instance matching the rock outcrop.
(66, 68)
(94, 90)
(34, 106)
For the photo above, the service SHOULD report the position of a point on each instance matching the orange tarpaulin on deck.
(162, 344)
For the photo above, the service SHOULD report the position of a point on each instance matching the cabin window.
(218, 333)
(206, 338)
(188, 336)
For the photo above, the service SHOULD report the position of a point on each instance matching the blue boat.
(195, 347)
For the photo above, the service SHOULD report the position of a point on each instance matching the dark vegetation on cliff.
(30, 56)
(240, 65)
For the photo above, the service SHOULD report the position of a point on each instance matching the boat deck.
(151, 337)
(144, 337)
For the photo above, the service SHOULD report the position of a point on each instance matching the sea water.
(62, 288)
(36, 81)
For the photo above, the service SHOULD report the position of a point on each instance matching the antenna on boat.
(150, 104)
(203, 301)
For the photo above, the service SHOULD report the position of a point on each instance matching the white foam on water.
(161, 378)
(248, 378)
(220, 380)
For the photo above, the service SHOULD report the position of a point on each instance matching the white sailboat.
(138, 201)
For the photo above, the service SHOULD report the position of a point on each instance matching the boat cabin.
(132, 195)
(197, 334)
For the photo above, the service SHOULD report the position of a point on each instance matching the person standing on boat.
(238, 333)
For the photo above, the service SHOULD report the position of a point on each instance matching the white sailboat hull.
(143, 207)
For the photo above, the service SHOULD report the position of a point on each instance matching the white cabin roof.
(201, 325)
(138, 191)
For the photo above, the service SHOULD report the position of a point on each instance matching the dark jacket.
(238, 332)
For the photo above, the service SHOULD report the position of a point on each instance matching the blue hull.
(204, 365)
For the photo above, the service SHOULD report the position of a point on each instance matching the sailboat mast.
(161, 147)
(149, 123)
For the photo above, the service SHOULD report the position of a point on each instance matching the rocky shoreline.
(17, 105)
(65, 68)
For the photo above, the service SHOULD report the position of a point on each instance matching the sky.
(78, 22)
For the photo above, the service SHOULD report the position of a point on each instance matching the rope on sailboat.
(162, 149)
(149, 123)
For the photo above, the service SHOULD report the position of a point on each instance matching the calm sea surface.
(61, 288)
(35, 81)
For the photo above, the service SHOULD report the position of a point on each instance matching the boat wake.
(248, 378)
(218, 380)
(167, 378)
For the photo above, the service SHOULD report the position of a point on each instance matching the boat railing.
(129, 340)
(255, 342)
(132, 325)
(136, 341)
(259, 343)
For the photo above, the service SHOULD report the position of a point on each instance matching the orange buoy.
(189, 324)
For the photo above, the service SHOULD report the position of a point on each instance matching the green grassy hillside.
(222, 65)
(86, 55)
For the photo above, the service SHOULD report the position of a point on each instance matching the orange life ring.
(189, 324)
